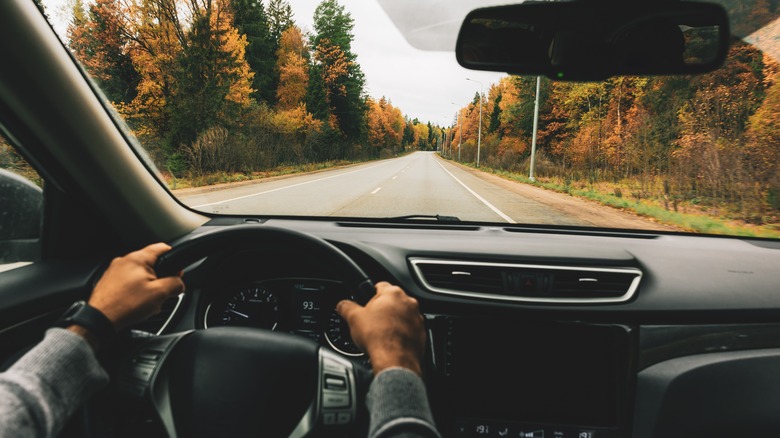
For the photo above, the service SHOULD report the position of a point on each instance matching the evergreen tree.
(495, 116)
(316, 99)
(213, 79)
(280, 17)
(408, 137)
(251, 20)
(344, 80)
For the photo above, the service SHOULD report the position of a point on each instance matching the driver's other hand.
(130, 292)
(389, 328)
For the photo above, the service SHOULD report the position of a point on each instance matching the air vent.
(158, 322)
(528, 283)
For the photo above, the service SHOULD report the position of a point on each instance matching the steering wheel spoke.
(232, 381)
(339, 397)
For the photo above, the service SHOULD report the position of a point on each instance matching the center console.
(502, 377)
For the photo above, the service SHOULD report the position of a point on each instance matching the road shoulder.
(596, 214)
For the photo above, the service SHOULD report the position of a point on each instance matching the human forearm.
(399, 406)
(40, 392)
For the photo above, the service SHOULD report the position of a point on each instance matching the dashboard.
(536, 334)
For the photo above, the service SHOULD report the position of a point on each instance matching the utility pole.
(479, 135)
(536, 125)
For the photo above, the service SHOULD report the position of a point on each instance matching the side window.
(21, 209)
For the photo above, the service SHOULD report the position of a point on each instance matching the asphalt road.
(419, 183)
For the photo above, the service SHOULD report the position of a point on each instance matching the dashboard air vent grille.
(529, 283)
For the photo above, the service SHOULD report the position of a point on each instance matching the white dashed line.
(395, 177)
(376, 190)
(285, 187)
(484, 201)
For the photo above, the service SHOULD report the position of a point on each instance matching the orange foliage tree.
(293, 69)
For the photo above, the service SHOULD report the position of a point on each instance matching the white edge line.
(484, 201)
(376, 190)
(283, 188)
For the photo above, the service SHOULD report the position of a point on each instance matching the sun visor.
(432, 25)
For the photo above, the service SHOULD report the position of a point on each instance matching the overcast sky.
(422, 84)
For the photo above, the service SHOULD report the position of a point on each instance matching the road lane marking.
(285, 187)
(395, 177)
(376, 190)
(484, 201)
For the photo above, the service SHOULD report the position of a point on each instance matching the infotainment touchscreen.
(562, 374)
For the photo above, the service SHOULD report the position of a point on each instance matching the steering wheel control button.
(337, 406)
(332, 399)
(329, 418)
(335, 383)
(343, 418)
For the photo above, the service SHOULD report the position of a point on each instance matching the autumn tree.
(763, 147)
(385, 125)
(293, 69)
(155, 41)
(97, 40)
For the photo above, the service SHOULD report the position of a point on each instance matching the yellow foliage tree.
(293, 69)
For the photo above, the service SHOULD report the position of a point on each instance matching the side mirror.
(586, 40)
(20, 218)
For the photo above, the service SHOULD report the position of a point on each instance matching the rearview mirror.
(587, 40)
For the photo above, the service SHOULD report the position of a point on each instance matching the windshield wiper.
(436, 217)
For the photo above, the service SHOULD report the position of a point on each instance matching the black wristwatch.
(92, 319)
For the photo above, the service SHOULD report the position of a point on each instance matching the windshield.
(332, 109)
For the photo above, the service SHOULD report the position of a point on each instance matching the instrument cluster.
(301, 306)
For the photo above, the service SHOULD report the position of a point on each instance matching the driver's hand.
(130, 292)
(389, 328)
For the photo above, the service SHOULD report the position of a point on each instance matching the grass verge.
(190, 181)
(695, 222)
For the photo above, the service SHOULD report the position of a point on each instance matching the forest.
(217, 87)
(236, 86)
(708, 143)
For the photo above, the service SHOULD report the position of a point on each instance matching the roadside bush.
(208, 153)
(176, 164)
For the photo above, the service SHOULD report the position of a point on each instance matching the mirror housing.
(593, 40)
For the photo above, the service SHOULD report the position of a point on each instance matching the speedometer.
(337, 335)
(252, 306)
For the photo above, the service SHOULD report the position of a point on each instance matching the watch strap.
(92, 319)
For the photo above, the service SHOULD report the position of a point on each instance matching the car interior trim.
(179, 298)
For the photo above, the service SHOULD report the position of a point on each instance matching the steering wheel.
(232, 381)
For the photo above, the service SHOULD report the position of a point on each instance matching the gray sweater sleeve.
(40, 392)
(399, 406)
